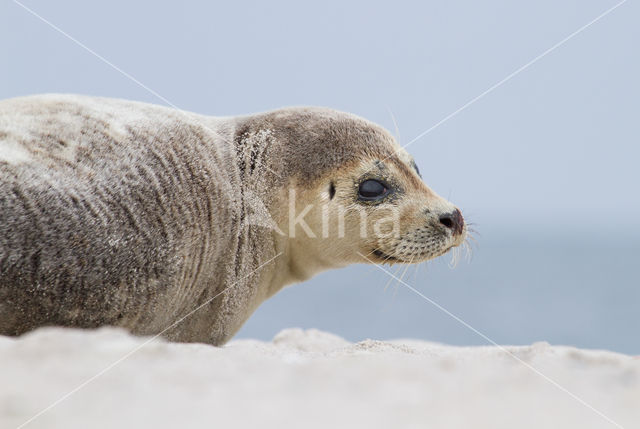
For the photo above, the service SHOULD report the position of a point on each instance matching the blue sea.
(580, 289)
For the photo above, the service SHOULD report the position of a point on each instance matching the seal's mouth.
(385, 258)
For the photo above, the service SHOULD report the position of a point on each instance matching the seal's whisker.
(415, 272)
(395, 125)
(406, 268)
(454, 257)
(389, 282)
(397, 285)
(467, 250)
(471, 237)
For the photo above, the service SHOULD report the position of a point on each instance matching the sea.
(579, 289)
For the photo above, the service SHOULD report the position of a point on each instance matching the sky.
(556, 145)
(531, 108)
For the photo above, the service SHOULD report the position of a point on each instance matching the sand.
(308, 379)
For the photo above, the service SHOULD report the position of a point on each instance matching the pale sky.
(557, 144)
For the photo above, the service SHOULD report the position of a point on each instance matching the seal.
(167, 222)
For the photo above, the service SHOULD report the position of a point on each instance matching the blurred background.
(544, 165)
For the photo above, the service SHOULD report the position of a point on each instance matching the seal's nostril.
(453, 221)
(447, 220)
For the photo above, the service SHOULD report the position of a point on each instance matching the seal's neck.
(297, 262)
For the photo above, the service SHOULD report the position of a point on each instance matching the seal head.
(348, 193)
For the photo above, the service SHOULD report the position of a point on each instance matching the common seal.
(122, 213)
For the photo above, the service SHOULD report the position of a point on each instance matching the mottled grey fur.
(122, 213)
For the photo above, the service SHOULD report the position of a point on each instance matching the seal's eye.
(371, 189)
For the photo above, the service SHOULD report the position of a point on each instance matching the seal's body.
(162, 221)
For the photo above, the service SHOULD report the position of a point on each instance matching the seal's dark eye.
(372, 190)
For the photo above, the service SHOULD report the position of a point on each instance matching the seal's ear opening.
(332, 190)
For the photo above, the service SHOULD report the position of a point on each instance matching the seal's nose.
(454, 221)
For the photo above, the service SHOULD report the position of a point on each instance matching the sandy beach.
(309, 379)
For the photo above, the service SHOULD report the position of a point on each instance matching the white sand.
(308, 379)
